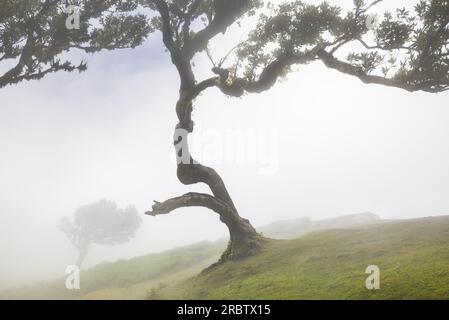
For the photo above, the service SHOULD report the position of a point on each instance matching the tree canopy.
(100, 223)
(407, 49)
(34, 34)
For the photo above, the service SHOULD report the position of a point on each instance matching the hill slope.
(141, 276)
(294, 228)
(413, 257)
(128, 279)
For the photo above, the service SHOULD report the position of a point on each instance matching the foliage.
(34, 35)
(101, 223)
(410, 47)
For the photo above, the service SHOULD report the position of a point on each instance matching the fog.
(327, 145)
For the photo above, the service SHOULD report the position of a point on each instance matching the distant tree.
(100, 223)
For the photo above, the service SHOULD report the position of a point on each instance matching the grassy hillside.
(290, 229)
(114, 280)
(143, 276)
(413, 257)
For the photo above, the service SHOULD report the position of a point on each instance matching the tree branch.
(331, 62)
(268, 77)
(12, 77)
(195, 91)
(226, 12)
(191, 199)
(167, 32)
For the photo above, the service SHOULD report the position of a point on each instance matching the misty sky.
(327, 145)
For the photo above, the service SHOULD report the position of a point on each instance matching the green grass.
(128, 279)
(413, 257)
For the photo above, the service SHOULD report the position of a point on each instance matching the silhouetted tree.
(100, 223)
(407, 50)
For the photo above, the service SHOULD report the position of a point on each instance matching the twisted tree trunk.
(244, 239)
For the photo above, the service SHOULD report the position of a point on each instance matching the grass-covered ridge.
(323, 263)
(413, 257)
(150, 271)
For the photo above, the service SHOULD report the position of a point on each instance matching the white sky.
(343, 147)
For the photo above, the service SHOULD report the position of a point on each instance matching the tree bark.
(244, 239)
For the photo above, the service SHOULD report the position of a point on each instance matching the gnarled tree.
(408, 49)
